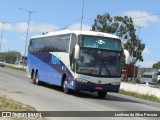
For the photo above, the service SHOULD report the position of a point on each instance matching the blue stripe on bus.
(51, 71)
(48, 71)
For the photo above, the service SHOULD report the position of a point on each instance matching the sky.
(51, 15)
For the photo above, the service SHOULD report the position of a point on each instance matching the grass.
(11, 66)
(142, 96)
(7, 104)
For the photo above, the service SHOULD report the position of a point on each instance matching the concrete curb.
(140, 89)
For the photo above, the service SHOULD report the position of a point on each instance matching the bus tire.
(32, 74)
(65, 89)
(102, 94)
(35, 79)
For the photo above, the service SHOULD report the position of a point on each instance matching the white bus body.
(56, 58)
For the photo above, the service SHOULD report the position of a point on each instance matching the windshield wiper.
(109, 74)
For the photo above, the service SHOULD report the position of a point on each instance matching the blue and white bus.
(77, 60)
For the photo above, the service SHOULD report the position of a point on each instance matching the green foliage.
(124, 28)
(10, 57)
(156, 65)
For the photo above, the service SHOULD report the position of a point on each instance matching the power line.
(82, 17)
(17, 37)
(132, 18)
(146, 16)
(72, 23)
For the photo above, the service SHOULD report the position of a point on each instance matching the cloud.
(40, 27)
(21, 37)
(33, 27)
(20, 27)
(6, 26)
(147, 64)
(76, 26)
(4, 41)
(146, 51)
(143, 21)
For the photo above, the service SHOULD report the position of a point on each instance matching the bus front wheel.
(65, 88)
(102, 94)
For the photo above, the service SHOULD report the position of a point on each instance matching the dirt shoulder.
(8, 104)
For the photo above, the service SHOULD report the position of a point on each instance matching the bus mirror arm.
(77, 50)
(127, 56)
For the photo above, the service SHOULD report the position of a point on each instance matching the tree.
(10, 57)
(156, 65)
(124, 28)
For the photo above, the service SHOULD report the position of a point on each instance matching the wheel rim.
(65, 89)
(37, 81)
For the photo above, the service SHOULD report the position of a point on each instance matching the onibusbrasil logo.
(100, 42)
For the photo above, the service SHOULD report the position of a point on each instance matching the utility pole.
(82, 15)
(135, 60)
(3, 22)
(139, 27)
(29, 13)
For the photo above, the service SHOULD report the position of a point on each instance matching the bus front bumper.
(93, 87)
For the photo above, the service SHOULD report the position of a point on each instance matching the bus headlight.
(72, 83)
(81, 80)
(115, 83)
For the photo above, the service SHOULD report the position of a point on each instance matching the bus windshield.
(99, 62)
(100, 42)
(99, 56)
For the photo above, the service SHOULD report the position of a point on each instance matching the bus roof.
(77, 32)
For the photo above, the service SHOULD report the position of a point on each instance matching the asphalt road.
(15, 84)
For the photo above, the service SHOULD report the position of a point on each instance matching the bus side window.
(72, 51)
(72, 60)
(31, 42)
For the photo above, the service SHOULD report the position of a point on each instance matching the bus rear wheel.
(102, 94)
(36, 79)
(65, 88)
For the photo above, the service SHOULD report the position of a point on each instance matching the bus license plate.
(99, 88)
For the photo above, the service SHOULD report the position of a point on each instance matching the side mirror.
(77, 50)
(127, 57)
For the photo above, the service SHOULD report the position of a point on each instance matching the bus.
(77, 60)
